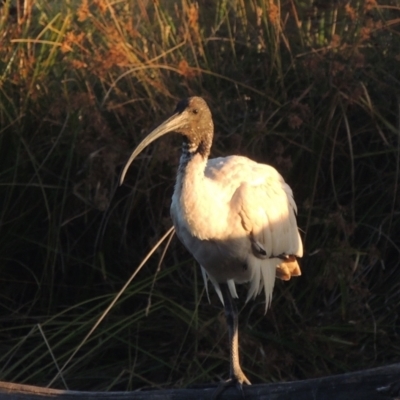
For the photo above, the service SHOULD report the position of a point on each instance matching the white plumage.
(236, 216)
(231, 211)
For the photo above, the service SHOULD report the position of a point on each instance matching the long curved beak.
(175, 122)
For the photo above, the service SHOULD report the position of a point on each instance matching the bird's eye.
(195, 111)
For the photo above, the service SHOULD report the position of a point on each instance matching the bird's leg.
(237, 376)
(231, 314)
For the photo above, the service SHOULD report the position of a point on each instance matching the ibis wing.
(267, 213)
(261, 209)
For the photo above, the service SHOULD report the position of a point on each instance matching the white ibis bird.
(235, 216)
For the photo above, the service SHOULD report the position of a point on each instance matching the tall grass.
(309, 88)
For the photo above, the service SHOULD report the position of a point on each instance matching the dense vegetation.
(313, 88)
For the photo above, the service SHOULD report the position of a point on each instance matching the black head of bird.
(192, 119)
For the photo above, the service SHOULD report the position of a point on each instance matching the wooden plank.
(360, 385)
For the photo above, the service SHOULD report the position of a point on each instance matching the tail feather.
(264, 272)
(230, 283)
(263, 277)
(268, 271)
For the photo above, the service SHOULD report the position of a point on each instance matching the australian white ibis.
(236, 217)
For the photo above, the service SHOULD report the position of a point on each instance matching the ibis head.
(192, 119)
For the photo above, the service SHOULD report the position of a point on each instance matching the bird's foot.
(237, 381)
